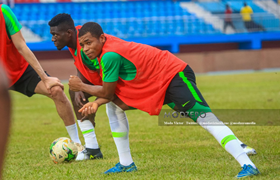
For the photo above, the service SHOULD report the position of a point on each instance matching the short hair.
(64, 19)
(245, 4)
(93, 28)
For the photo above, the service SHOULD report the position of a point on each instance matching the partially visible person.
(246, 12)
(5, 113)
(228, 20)
(26, 74)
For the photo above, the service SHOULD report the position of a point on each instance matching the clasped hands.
(75, 84)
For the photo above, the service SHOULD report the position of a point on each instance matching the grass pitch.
(187, 152)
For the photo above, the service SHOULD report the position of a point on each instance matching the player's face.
(92, 46)
(59, 37)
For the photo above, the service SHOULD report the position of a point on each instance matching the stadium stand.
(164, 23)
(122, 19)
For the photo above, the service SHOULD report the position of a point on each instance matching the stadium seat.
(27, 1)
(123, 19)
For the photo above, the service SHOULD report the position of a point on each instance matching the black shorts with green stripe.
(182, 91)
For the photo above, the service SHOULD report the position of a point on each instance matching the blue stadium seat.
(123, 19)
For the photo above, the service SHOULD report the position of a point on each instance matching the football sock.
(89, 134)
(120, 129)
(225, 137)
(240, 142)
(73, 133)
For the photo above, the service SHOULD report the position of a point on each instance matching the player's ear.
(102, 38)
(70, 32)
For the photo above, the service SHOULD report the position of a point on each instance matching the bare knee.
(57, 93)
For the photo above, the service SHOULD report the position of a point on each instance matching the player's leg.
(231, 24)
(30, 84)
(184, 93)
(120, 132)
(247, 149)
(5, 111)
(225, 25)
(92, 150)
(191, 81)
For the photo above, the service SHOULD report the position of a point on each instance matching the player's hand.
(52, 81)
(80, 98)
(75, 83)
(89, 108)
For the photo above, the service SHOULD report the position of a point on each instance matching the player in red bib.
(64, 33)
(145, 78)
(24, 72)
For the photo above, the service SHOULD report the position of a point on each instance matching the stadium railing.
(266, 21)
(170, 32)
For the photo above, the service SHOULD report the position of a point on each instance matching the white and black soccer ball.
(63, 150)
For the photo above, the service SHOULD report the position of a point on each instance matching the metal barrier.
(264, 22)
(162, 26)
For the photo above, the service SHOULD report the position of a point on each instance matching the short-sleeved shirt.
(115, 66)
(11, 21)
(246, 13)
(228, 13)
(92, 64)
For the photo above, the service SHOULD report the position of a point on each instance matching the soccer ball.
(63, 150)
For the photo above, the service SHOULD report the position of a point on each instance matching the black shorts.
(27, 82)
(183, 91)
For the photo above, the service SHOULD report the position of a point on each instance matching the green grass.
(187, 152)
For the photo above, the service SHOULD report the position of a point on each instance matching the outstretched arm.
(23, 49)
(106, 91)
